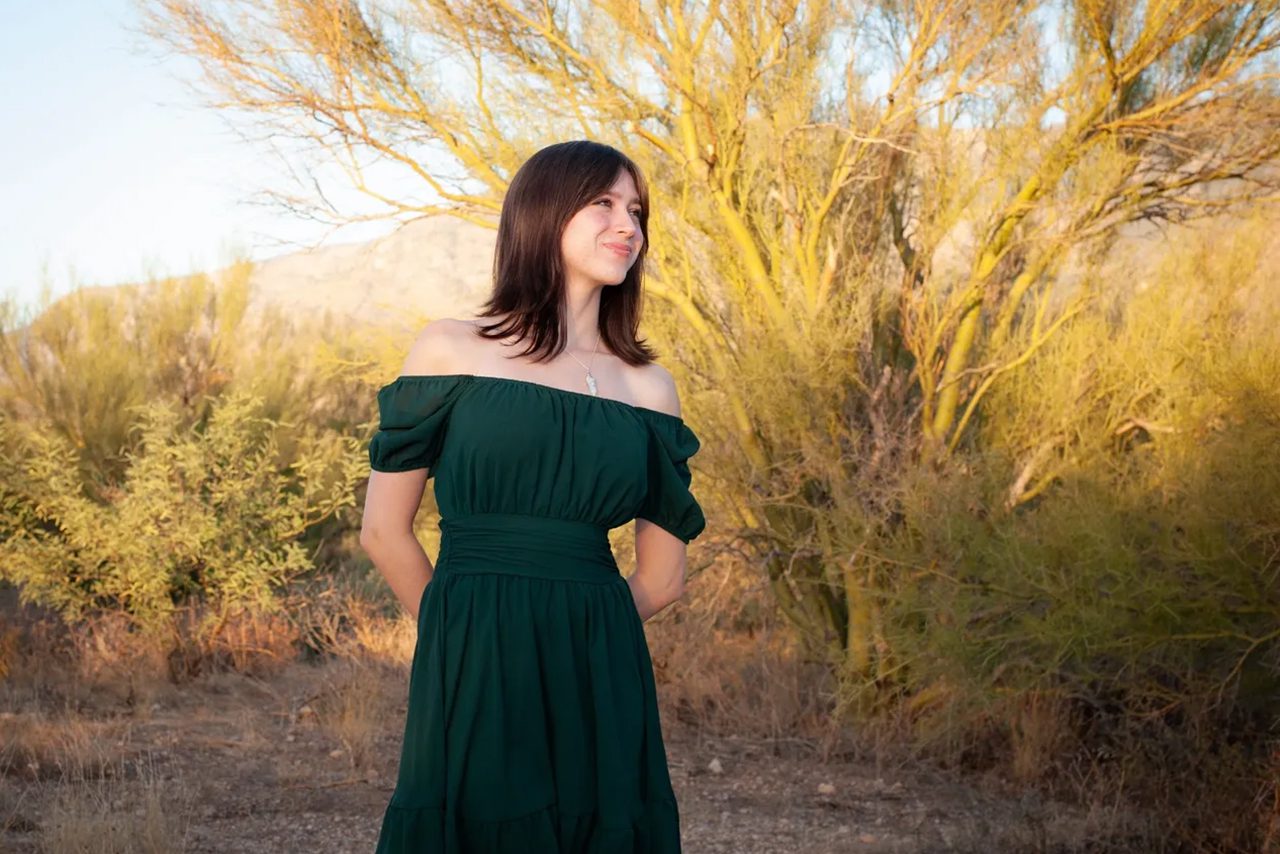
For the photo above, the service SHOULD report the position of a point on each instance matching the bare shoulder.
(436, 349)
(659, 389)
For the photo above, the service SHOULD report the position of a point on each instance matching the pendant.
(591, 383)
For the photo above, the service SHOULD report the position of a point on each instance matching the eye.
(636, 212)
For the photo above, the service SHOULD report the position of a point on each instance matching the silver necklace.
(591, 380)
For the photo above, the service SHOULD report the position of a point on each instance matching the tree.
(816, 167)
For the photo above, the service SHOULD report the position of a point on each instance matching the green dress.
(533, 722)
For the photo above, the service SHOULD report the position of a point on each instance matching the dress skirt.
(532, 722)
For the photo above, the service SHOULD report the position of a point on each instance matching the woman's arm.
(660, 555)
(660, 562)
(392, 499)
(386, 533)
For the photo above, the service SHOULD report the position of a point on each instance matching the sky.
(114, 171)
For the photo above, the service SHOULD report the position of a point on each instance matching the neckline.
(550, 388)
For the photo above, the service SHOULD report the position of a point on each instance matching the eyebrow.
(635, 199)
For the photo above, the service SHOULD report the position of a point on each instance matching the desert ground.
(302, 755)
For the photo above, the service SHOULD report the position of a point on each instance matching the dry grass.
(129, 811)
(359, 696)
(365, 682)
(78, 788)
(245, 642)
(727, 665)
(43, 746)
(81, 701)
(332, 620)
(1041, 728)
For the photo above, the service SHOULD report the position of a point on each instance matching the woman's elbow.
(674, 590)
(375, 538)
(370, 537)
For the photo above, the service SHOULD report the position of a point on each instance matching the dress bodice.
(498, 445)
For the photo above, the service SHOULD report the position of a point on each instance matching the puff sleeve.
(413, 414)
(668, 502)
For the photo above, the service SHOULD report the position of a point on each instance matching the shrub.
(208, 510)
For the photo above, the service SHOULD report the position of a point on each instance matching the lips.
(620, 248)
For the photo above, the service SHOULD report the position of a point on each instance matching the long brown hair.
(528, 270)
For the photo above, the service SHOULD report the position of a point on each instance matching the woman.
(533, 722)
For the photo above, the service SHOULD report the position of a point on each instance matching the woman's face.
(601, 242)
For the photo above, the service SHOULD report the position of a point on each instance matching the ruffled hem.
(410, 830)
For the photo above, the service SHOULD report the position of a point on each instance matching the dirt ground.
(306, 761)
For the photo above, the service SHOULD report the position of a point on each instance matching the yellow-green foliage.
(159, 443)
(211, 509)
(1139, 589)
(1151, 561)
(83, 362)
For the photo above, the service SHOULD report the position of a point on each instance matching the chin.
(612, 278)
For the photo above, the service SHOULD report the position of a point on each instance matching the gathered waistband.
(519, 544)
